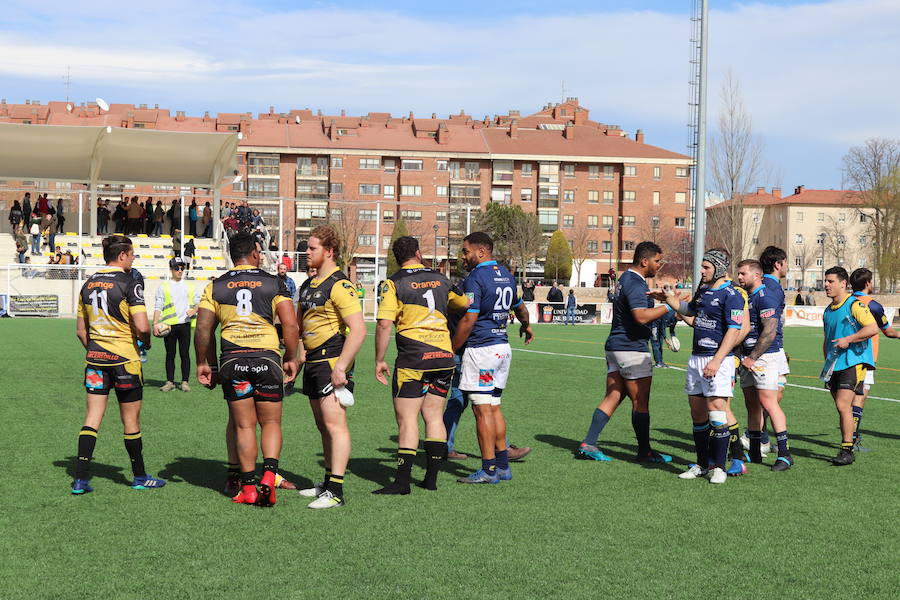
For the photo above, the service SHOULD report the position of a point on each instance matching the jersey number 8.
(244, 303)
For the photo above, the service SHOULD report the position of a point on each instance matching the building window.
(390, 165)
(755, 241)
(262, 164)
(863, 240)
(592, 246)
(628, 221)
(369, 189)
(839, 238)
(411, 215)
(322, 165)
(385, 242)
(630, 171)
(262, 187)
(609, 171)
(628, 245)
(680, 197)
(337, 188)
(679, 221)
(568, 220)
(656, 172)
(755, 218)
(592, 221)
(568, 195)
(654, 222)
(442, 165)
(820, 238)
(368, 215)
(387, 216)
(408, 164)
(798, 238)
(607, 246)
(388, 191)
(593, 171)
(819, 263)
(312, 190)
(526, 194)
(820, 217)
(569, 170)
(441, 242)
(369, 163)
(656, 197)
(681, 171)
(862, 217)
(337, 162)
(440, 216)
(473, 170)
(526, 169)
(842, 217)
(442, 191)
(799, 216)
(607, 221)
(593, 196)
(410, 190)
(797, 262)
(366, 240)
(608, 197)
(548, 219)
(629, 196)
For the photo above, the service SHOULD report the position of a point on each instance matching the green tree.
(558, 265)
(400, 230)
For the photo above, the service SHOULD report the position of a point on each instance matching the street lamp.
(434, 256)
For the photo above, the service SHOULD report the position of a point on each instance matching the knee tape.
(717, 418)
(478, 399)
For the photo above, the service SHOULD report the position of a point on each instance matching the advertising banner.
(44, 305)
(556, 313)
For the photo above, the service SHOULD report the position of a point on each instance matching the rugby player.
(629, 369)
(720, 312)
(481, 335)
(861, 283)
(417, 301)
(332, 330)
(112, 318)
(763, 363)
(245, 301)
(849, 325)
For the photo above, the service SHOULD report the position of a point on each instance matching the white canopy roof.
(114, 155)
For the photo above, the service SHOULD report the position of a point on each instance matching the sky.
(816, 76)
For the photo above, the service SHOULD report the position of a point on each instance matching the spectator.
(118, 216)
(102, 217)
(21, 245)
(158, 216)
(206, 221)
(798, 299)
(49, 228)
(175, 217)
(15, 216)
(225, 211)
(288, 282)
(554, 294)
(43, 205)
(571, 303)
(231, 225)
(810, 299)
(60, 216)
(35, 236)
(612, 276)
(192, 217)
(176, 243)
(598, 280)
(286, 260)
(26, 210)
(134, 212)
(189, 250)
(149, 220)
(528, 291)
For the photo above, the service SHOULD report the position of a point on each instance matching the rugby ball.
(674, 343)
(164, 330)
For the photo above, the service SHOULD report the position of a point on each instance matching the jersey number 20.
(504, 298)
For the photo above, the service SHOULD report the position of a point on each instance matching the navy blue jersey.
(491, 292)
(776, 292)
(626, 333)
(761, 305)
(718, 309)
(877, 310)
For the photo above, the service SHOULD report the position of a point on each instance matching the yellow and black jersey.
(107, 300)
(324, 304)
(244, 301)
(417, 300)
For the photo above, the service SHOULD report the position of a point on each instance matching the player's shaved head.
(480, 238)
(115, 245)
(645, 250)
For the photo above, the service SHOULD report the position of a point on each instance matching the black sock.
(270, 464)
(436, 451)
(335, 485)
(755, 451)
(135, 447)
(327, 477)
(405, 459)
(701, 443)
(640, 421)
(234, 470)
(248, 478)
(784, 448)
(718, 445)
(734, 442)
(848, 446)
(87, 439)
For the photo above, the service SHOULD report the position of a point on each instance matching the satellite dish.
(102, 104)
(237, 179)
(297, 119)
(68, 108)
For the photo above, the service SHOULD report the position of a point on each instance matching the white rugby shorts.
(766, 372)
(720, 386)
(869, 381)
(484, 369)
(629, 363)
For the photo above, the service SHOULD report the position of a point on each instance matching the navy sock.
(502, 459)
(783, 448)
(734, 442)
(489, 465)
(718, 445)
(640, 421)
(857, 419)
(598, 422)
(701, 443)
(764, 436)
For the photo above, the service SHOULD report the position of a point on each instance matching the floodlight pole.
(181, 220)
(700, 167)
(377, 250)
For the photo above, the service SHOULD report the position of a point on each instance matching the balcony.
(267, 170)
(312, 173)
(464, 176)
(502, 178)
(548, 202)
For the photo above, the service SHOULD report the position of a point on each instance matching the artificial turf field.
(560, 528)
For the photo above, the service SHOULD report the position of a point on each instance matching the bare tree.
(579, 239)
(805, 257)
(345, 218)
(834, 238)
(525, 241)
(873, 172)
(736, 166)
(673, 241)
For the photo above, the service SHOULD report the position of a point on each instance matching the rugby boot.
(247, 495)
(783, 463)
(267, 489)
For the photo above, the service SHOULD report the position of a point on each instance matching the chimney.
(760, 191)
(332, 134)
(799, 189)
(569, 131)
(271, 109)
(443, 134)
(514, 113)
(179, 115)
(343, 112)
(411, 115)
(514, 129)
(639, 136)
(206, 115)
(776, 192)
(156, 107)
(434, 115)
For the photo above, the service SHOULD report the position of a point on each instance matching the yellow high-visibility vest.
(168, 314)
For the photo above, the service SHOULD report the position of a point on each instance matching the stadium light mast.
(700, 131)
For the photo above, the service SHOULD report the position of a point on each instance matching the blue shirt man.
(626, 333)
(717, 310)
(491, 293)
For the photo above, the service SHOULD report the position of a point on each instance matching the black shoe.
(393, 489)
(783, 463)
(844, 457)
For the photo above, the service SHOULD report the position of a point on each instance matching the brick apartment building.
(367, 172)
